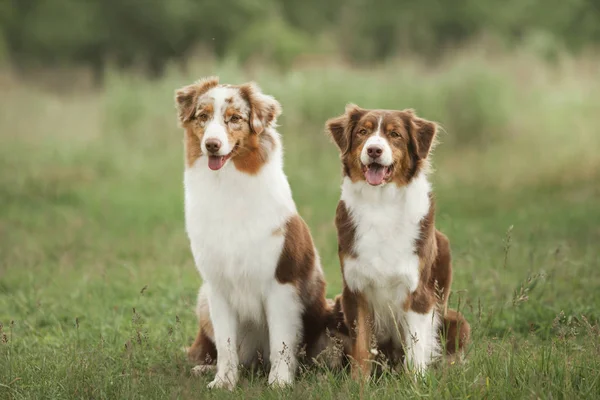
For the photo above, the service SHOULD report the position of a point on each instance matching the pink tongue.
(375, 174)
(215, 162)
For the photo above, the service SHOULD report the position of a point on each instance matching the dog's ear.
(187, 97)
(264, 109)
(340, 128)
(422, 132)
(337, 129)
(425, 135)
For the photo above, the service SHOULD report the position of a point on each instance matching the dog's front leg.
(284, 316)
(225, 325)
(421, 341)
(361, 351)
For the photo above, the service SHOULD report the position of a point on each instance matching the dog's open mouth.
(376, 174)
(216, 162)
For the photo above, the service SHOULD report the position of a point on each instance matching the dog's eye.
(234, 119)
(362, 131)
(203, 117)
(394, 134)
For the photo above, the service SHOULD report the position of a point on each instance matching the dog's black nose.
(213, 145)
(374, 151)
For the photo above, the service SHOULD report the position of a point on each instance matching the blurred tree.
(152, 33)
(376, 30)
(311, 15)
(272, 40)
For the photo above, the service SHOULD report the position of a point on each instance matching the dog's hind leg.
(203, 351)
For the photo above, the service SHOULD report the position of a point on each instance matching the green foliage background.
(39, 33)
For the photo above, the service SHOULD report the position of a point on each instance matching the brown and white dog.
(395, 263)
(264, 289)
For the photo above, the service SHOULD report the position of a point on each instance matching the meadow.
(98, 286)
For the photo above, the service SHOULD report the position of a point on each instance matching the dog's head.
(381, 146)
(224, 121)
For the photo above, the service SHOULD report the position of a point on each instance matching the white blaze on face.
(377, 139)
(216, 127)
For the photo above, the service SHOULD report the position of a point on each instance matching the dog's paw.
(281, 377)
(224, 381)
(203, 369)
(218, 383)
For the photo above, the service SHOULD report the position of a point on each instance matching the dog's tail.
(455, 332)
(335, 319)
(334, 344)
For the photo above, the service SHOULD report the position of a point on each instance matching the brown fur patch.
(253, 153)
(346, 230)
(426, 244)
(297, 258)
(231, 111)
(428, 292)
(435, 276)
(192, 147)
(350, 308)
(297, 266)
(361, 351)
(441, 269)
(203, 350)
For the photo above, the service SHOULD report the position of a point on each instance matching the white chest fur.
(387, 221)
(231, 218)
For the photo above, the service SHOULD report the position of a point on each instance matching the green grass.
(97, 285)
